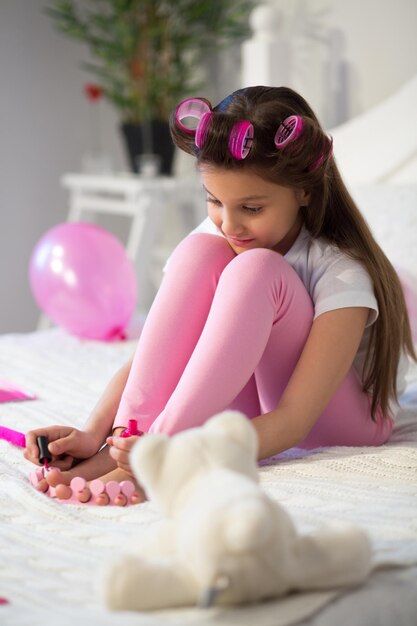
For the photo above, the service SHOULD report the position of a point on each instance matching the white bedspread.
(51, 554)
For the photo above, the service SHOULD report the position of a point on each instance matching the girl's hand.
(64, 443)
(120, 448)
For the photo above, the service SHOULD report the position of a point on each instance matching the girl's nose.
(230, 223)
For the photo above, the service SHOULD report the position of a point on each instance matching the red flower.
(93, 91)
(136, 68)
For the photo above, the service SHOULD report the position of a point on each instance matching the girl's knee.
(203, 245)
(202, 251)
(263, 273)
(263, 264)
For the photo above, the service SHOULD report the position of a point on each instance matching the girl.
(285, 308)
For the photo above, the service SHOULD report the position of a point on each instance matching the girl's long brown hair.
(331, 212)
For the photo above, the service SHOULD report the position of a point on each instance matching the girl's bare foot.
(115, 487)
(97, 465)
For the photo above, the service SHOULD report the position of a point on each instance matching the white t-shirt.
(334, 281)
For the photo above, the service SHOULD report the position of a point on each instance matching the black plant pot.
(156, 140)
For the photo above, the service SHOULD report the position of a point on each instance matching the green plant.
(146, 53)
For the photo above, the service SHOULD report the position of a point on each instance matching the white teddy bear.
(223, 540)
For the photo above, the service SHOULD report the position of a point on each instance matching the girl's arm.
(102, 416)
(326, 359)
(67, 443)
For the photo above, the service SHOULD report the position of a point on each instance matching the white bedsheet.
(51, 554)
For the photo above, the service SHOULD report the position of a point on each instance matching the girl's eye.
(252, 209)
(248, 209)
(213, 201)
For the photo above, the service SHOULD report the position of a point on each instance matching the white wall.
(44, 131)
(379, 46)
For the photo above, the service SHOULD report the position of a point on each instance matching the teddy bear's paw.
(337, 555)
(135, 584)
(114, 588)
(122, 585)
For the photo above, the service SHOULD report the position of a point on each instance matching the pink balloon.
(82, 278)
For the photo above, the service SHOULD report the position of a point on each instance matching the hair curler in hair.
(324, 156)
(203, 129)
(241, 139)
(289, 130)
(189, 113)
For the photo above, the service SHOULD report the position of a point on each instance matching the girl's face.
(252, 212)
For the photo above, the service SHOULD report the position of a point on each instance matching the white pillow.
(391, 212)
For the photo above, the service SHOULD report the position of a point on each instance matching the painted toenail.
(102, 499)
(136, 498)
(42, 485)
(84, 495)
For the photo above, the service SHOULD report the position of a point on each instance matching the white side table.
(149, 202)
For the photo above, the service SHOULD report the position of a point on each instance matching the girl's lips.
(240, 242)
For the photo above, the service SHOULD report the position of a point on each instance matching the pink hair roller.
(191, 109)
(289, 130)
(203, 129)
(323, 156)
(241, 139)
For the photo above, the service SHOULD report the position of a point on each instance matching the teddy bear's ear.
(146, 458)
(235, 425)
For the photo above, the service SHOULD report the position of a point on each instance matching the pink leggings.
(226, 331)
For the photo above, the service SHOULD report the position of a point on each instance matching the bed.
(52, 554)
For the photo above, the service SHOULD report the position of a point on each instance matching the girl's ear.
(303, 197)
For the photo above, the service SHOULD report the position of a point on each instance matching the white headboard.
(380, 145)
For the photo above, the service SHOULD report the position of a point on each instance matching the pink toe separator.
(36, 476)
(112, 489)
(77, 484)
(127, 488)
(97, 487)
